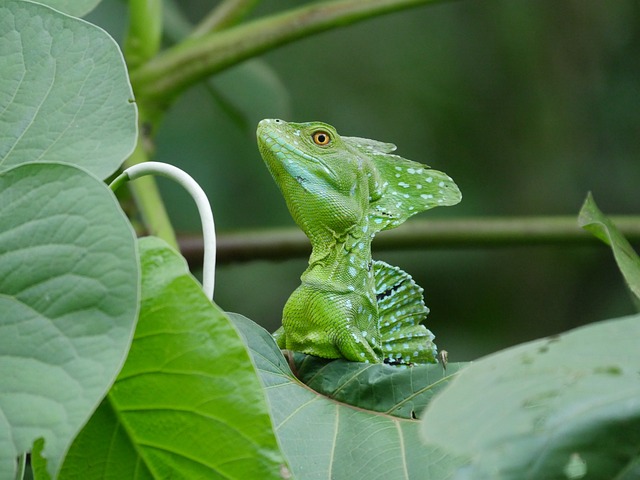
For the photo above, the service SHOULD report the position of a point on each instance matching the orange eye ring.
(321, 138)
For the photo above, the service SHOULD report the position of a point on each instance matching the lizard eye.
(321, 138)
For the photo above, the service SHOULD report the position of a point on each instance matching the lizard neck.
(342, 262)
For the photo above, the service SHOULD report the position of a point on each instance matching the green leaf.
(69, 300)
(188, 403)
(77, 8)
(64, 91)
(593, 220)
(396, 390)
(562, 407)
(324, 438)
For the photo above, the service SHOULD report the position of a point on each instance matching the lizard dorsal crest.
(401, 311)
(399, 187)
(369, 146)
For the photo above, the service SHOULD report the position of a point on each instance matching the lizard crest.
(341, 191)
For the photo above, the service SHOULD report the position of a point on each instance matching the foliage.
(77, 8)
(328, 438)
(592, 219)
(559, 408)
(187, 399)
(65, 92)
(195, 392)
(69, 283)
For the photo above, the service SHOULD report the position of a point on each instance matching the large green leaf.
(68, 302)
(400, 391)
(559, 408)
(324, 438)
(77, 8)
(64, 91)
(593, 220)
(188, 403)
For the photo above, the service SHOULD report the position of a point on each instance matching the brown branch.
(284, 243)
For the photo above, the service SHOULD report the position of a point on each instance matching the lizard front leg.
(326, 324)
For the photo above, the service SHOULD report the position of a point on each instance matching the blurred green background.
(527, 104)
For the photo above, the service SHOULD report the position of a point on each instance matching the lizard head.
(320, 179)
(340, 182)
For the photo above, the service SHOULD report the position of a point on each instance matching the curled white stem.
(204, 209)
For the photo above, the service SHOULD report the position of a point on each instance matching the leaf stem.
(283, 243)
(149, 201)
(204, 209)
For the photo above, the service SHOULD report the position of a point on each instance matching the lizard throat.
(345, 266)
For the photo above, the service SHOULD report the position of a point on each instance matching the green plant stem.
(148, 200)
(144, 33)
(226, 14)
(169, 73)
(285, 243)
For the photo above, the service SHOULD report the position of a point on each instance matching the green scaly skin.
(341, 191)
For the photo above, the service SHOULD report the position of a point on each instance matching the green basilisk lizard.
(341, 191)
